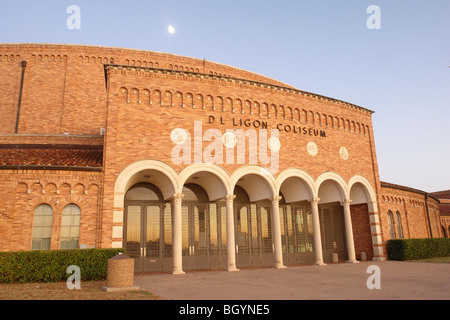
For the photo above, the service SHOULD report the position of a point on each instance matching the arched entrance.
(296, 218)
(253, 231)
(332, 224)
(203, 230)
(297, 232)
(148, 228)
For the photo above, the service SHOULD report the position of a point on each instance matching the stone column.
(277, 232)
(231, 244)
(177, 234)
(316, 231)
(349, 231)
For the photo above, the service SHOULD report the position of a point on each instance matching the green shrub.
(51, 265)
(411, 249)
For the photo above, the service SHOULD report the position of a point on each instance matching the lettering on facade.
(259, 124)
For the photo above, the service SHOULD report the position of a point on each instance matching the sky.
(394, 60)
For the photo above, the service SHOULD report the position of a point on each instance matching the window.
(391, 225)
(70, 227)
(399, 226)
(42, 227)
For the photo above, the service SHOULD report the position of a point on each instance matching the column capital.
(230, 197)
(275, 198)
(314, 200)
(346, 202)
(178, 196)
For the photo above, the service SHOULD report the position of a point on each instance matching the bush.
(412, 249)
(51, 265)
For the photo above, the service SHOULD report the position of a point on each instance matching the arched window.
(399, 226)
(391, 225)
(42, 227)
(70, 227)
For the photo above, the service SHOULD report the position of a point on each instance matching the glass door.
(133, 235)
(195, 236)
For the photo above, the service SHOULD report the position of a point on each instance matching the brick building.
(189, 164)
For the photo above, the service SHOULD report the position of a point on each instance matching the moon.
(171, 29)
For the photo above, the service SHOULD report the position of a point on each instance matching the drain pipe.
(428, 215)
(23, 64)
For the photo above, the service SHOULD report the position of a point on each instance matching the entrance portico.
(217, 221)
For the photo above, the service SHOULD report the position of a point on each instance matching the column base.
(320, 264)
(352, 261)
(232, 269)
(178, 272)
(280, 266)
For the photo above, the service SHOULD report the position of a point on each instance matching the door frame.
(143, 263)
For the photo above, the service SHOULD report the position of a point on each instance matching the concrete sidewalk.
(399, 281)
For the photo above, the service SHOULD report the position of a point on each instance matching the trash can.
(363, 256)
(334, 258)
(120, 276)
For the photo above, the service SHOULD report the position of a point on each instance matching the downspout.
(428, 215)
(23, 64)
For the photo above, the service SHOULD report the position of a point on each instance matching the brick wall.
(24, 190)
(412, 207)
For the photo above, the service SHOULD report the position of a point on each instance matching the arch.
(167, 99)
(79, 189)
(65, 188)
(299, 184)
(155, 172)
(210, 177)
(238, 104)
(189, 102)
(256, 109)
(257, 181)
(229, 104)
(145, 97)
(390, 217)
(21, 187)
(156, 98)
(123, 95)
(361, 191)
(209, 103)
(199, 101)
(303, 117)
(134, 95)
(264, 113)
(178, 101)
(281, 111)
(289, 115)
(42, 227)
(70, 226)
(219, 103)
(143, 191)
(247, 107)
(331, 187)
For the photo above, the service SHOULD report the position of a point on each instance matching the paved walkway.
(398, 280)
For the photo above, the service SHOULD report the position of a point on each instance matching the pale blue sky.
(400, 71)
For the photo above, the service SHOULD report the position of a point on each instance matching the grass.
(434, 260)
(90, 290)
